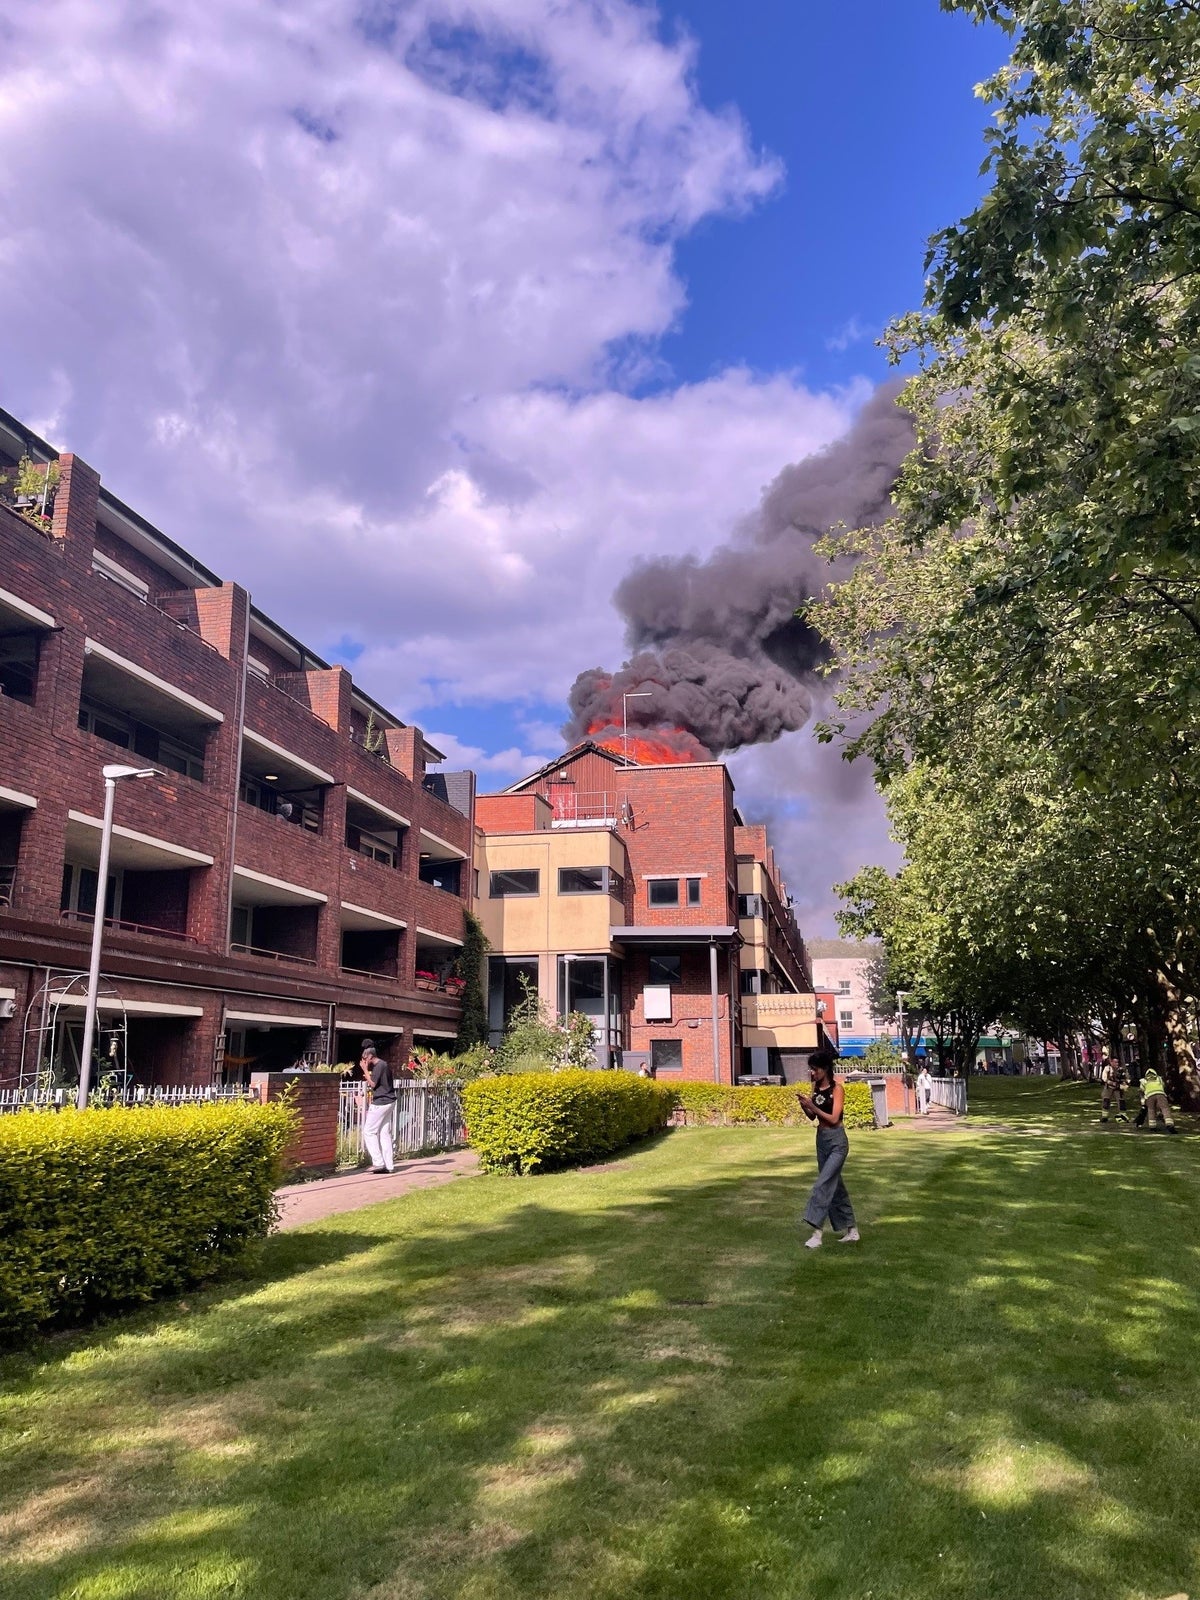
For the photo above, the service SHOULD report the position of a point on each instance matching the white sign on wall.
(656, 998)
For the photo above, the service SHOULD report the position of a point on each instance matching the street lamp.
(630, 694)
(112, 776)
(901, 997)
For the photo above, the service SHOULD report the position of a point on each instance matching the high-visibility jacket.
(1152, 1083)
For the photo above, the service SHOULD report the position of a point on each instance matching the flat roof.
(670, 933)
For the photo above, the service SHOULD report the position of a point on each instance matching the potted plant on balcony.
(455, 986)
(32, 489)
(427, 980)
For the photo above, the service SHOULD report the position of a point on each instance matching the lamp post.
(112, 776)
(901, 997)
(630, 694)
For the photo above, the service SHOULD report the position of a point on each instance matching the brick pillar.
(406, 752)
(315, 1096)
(75, 505)
(221, 618)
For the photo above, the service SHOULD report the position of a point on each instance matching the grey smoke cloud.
(717, 642)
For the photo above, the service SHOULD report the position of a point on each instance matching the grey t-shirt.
(383, 1087)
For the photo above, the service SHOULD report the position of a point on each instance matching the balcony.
(8, 878)
(149, 880)
(135, 710)
(441, 864)
(371, 943)
(281, 784)
(601, 808)
(274, 920)
(374, 830)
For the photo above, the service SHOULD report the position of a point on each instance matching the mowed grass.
(632, 1382)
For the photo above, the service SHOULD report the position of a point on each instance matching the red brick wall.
(683, 825)
(315, 1096)
(511, 813)
(691, 1012)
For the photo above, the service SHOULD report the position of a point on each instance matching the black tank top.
(823, 1100)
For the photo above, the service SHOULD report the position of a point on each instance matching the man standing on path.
(1155, 1102)
(1113, 1079)
(381, 1099)
(924, 1090)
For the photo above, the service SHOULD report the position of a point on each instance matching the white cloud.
(346, 294)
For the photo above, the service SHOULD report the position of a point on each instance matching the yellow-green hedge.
(101, 1208)
(726, 1105)
(527, 1122)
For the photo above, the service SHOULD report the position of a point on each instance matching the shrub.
(727, 1106)
(101, 1208)
(538, 1120)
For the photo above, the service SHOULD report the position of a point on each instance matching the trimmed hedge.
(730, 1106)
(102, 1208)
(533, 1121)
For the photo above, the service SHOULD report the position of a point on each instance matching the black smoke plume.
(717, 642)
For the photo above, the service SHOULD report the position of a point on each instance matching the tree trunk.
(1183, 1079)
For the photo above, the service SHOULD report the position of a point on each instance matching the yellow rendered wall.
(549, 922)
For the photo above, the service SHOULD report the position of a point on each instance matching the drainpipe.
(606, 1048)
(716, 1021)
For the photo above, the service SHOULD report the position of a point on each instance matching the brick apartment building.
(635, 894)
(291, 882)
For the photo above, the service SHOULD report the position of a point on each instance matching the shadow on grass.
(632, 1382)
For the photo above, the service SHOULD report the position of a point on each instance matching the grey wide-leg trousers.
(829, 1197)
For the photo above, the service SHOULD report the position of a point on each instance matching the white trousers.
(378, 1137)
(923, 1097)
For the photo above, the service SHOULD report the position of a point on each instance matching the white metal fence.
(133, 1094)
(427, 1116)
(948, 1093)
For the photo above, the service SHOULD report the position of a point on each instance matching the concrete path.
(350, 1191)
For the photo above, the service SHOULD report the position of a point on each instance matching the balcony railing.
(119, 925)
(8, 878)
(591, 808)
(365, 972)
(272, 955)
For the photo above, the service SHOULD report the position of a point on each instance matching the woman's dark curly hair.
(823, 1060)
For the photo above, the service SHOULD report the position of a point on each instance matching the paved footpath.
(350, 1191)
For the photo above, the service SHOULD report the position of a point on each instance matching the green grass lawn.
(632, 1382)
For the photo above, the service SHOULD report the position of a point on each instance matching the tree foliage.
(1019, 646)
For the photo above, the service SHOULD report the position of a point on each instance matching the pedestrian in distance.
(1155, 1103)
(378, 1135)
(924, 1089)
(829, 1198)
(1113, 1081)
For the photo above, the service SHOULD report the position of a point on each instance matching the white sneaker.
(813, 1242)
(849, 1237)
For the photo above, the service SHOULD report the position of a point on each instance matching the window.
(845, 1019)
(18, 666)
(616, 885)
(79, 886)
(663, 891)
(164, 749)
(666, 1055)
(375, 846)
(509, 885)
(750, 905)
(444, 875)
(843, 986)
(693, 891)
(663, 969)
(751, 982)
(582, 880)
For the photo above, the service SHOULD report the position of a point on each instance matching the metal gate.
(426, 1116)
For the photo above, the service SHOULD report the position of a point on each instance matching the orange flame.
(649, 749)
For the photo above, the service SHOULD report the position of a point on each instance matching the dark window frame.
(514, 894)
(670, 979)
(655, 886)
(660, 1047)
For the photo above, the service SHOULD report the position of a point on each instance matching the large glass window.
(663, 969)
(663, 891)
(582, 880)
(750, 905)
(666, 1055)
(509, 885)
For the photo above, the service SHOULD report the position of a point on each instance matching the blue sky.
(428, 331)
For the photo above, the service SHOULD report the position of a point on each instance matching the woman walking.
(829, 1197)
